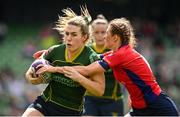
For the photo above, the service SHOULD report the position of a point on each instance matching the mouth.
(68, 45)
(100, 40)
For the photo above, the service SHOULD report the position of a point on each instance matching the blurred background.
(26, 26)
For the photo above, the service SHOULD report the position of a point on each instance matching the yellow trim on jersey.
(66, 62)
(73, 57)
(98, 50)
(114, 114)
(114, 96)
(80, 108)
(49, 99)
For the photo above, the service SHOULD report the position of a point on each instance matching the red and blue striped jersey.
(132, 70)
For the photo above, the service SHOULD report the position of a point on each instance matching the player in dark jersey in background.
(63, 95)
(131, 69)
(111, 103)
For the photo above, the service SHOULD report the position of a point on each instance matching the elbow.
(100, 92)
(101, 89)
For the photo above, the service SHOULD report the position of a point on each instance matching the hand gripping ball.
(46, 76)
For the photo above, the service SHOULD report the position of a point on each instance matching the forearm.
(58, 69)
(95, 88)
(94, 84)
(82, 70)
(90, 69)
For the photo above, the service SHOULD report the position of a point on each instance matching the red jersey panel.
(132, 70)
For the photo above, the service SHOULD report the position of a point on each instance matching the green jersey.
(62, 90)
(113, 88)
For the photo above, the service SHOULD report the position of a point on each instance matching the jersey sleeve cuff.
(104, 64)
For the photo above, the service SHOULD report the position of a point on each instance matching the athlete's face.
(73, 38)
(109, 39)
(99, 31)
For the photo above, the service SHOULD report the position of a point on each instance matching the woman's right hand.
(38, 54)
(32, 79)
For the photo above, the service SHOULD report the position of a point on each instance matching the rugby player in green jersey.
(64, 95)
(111, 103)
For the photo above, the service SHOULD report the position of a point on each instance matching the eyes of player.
(100, 32)
(73, 34)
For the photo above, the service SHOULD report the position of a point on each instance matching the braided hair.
(123, 28)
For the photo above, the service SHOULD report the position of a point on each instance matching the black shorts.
(162, 106)
(95, 106)
(51, 109)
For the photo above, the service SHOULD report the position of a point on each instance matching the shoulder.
(88, 49)
(124, 50)
(55, 47)
(91, 46)
(53, 50)
(93, 56)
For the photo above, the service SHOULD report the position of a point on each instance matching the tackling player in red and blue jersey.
(132, 70)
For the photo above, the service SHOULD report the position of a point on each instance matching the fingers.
(34, 79)
(45, 68)
(29, 73)
(71, 73)
(67, 70)
(67, 75)
(31, 79)
(41, 69)
(38, 80)
(39, 66)
(38, 54)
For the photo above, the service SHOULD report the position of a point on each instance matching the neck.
(100, 46)
(71, 55)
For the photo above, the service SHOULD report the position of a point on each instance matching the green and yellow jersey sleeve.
(113, 88)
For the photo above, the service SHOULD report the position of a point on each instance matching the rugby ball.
(35, 68)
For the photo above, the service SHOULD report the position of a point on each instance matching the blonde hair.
(70, 17)
(124, 29)
(99, 20)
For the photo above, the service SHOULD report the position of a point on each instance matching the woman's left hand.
(46, 68)
(72, 73)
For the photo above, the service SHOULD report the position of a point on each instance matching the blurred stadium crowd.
(159, 44)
